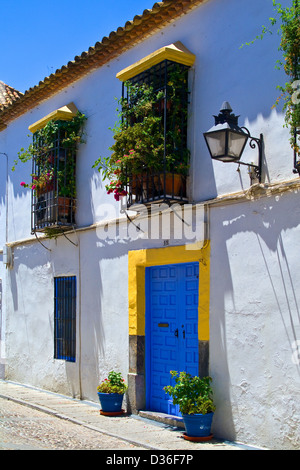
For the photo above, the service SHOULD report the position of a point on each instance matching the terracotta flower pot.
(64, 205)
(175, 184)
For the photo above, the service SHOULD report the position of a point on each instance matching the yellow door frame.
(137, 262)
(140, 259)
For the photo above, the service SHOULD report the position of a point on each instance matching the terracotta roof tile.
(8, 95)
(102, 52)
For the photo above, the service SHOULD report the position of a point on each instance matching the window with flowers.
(53, 179)
(149, 159)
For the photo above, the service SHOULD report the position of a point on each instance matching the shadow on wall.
(93, 338)
(254, 274)
(31, 306)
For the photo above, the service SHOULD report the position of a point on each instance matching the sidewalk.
(148, 434)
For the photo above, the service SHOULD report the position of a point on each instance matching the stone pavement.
(137, 430)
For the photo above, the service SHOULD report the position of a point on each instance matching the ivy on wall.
(288, 19)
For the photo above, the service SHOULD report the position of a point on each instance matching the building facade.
(206, 281)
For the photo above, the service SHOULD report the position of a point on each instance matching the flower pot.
(174, 184)
(111, 402)
(144, 184)
(198, 425)
(63, 204)
(136, 184)
(44, 188)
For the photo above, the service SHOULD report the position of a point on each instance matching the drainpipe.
(6, 197)
(79, 322)
(7, 252)
(2, 372)
(206, 222)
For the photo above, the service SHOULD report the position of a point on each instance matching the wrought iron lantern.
(226, 141)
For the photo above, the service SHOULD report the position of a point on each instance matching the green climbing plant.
(288, 21)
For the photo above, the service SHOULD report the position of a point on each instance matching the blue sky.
(37, 37)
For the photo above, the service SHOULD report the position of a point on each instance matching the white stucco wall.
(254, 319)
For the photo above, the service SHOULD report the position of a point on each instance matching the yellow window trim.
(176, 52)
(140, 259)
(65, 113)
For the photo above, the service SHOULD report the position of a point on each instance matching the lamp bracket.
(255, 142)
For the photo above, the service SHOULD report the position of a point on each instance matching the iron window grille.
(65, 318)
(54, 173)
(169, 183)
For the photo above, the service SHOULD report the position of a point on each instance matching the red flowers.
(117, 188)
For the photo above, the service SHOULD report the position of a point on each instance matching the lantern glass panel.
(236, 144)
(216, 142)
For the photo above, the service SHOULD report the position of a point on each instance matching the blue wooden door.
(171, 329)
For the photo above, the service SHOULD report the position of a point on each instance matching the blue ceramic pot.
(198, 425)
(110, 402)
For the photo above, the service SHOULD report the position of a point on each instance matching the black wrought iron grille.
(65, 318)
(168, 184)
(54, 184)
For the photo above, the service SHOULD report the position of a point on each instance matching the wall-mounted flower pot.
(144, 183)
(175, 184)
(44, 188)
(64, 205)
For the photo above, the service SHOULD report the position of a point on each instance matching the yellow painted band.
(140, 259)
(66, 113)
(176, 52)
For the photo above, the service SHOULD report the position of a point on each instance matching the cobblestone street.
(23, 428)
(32, 418)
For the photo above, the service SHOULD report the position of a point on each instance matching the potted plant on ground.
(111, 392)
(194, 396)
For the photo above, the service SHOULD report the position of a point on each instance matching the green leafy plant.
(71, 131)
(193, 394)
(138, 140)
(45, 139)
(113, 384)
(289, 30)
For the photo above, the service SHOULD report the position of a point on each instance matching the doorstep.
(171, 420)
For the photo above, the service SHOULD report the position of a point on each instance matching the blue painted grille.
(65, 318)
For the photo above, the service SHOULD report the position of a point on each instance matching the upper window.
(55, 139)
(161, 132)
(150, 159)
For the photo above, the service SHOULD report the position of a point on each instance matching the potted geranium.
(194, 396)
(41, 183)
(111, 392)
